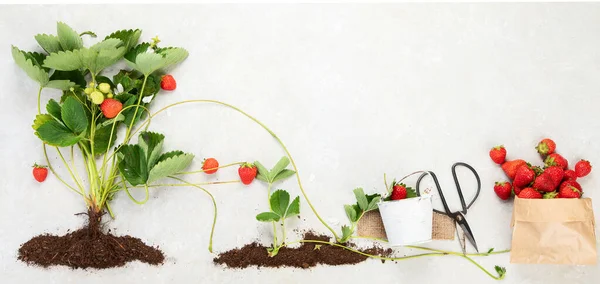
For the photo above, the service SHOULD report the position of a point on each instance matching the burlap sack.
(371, 225)
(553, 231)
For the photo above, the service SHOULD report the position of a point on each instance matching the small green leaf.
(294, 208)
(281, 164)
(283, 175)
(69, 39)
(279, 201)
(501, 272)
(60, 84)
(56, 134)
(411, 192)
(262, 171)
(351, 213)
(148, 63)
(109, 43)
(268, 217)
(169, 166)
(361, 198)
(132, 164)
(73, 115)
(151, 143)
(373, 202)
(49, 43)
(40, 119)
(490, 250)
(28, 65)
(131, 56)
(262, 178)
(54, 109)
(172, 55)
(346, 233)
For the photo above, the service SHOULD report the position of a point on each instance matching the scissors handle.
(458, 188)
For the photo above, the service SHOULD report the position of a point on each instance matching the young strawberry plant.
(279, 201)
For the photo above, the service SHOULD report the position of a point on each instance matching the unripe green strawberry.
(88, 91)
(97, 97)
(104, 87)
(109, 95)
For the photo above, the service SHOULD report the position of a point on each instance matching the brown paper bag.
(553, 231)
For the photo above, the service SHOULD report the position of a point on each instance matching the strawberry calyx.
(247, 165)
(550, 195)
(35, 165)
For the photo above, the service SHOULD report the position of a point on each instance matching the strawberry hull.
(553, 231)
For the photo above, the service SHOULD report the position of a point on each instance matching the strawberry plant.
(279, 201)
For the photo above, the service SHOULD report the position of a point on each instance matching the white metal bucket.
(407, 221)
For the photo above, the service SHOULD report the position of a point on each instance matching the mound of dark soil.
(88, 247)
(306, 256)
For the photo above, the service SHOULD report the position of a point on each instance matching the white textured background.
(354, 91)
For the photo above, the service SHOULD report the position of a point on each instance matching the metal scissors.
(458, 216)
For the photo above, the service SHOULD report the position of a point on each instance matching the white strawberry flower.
(147, 99)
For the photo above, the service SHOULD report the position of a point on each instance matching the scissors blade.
(461, 240)
(462, 222)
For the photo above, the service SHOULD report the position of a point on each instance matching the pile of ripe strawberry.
(553, 180)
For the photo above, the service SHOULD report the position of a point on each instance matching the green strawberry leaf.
(262, 178)
(60, 84)
(49, 43)
(373, 200)
(55, 133)
(346, 233)
(28, 64)
(490, 250)
(363, 203)
(74, 76)
(40, 119)
(285, 173)
(132, 164)
(169, 166)
(411, 192)
(151, 143)
(69, 39)
(65, 60)
(131, 56)
(263, 173)
(268, 217)
(168, 155)
(73, 115)
(294, 208)
(147, 62)
(102, 137)
(54, 109)
(351, 213)
(281, 164)
(501, 271)
(279, 201)
(129, 37)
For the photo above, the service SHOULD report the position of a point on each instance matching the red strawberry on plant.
(546, 147)
(556, 159)
(556, 173)
(570, 175)
(210, 166)
(40, 172)
(569, 192)
(247, 173)
(530, 193)
(498, 154)
(503, 190)
(110, 108)
(168, 83)
(510, 167)
(523, 176)
(544, 183)
(583, 168)
(399, 191)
